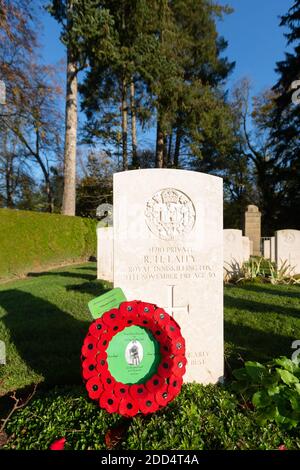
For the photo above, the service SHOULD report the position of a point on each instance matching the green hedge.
(31, 241)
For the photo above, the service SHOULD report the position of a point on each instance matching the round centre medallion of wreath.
(133, 359)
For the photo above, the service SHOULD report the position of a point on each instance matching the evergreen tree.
(285, 126)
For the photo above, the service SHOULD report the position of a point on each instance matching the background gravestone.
(288, 249)
(273, 250)
(253, 228)
(233, 248)
(246, 248)
(105, 252)
(267, 249)
(168, 251)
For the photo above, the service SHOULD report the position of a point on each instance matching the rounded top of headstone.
(252, 208)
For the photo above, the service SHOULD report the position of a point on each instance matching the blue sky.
(255, 41)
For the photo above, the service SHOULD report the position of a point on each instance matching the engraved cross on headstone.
(171, 308)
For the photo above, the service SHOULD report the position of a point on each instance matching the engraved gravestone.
(288, 249)
(168, 251)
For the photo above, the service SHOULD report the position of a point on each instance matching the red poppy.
(129, 308)
(101, 360)
(94, 387)
(165, 345)
(89, 346)
(138, 391)
(158, 334)
(155, 383)
(112, 317)
(97, 328)
(174, 386)
(161, 316)
(179, 365)
(148, 405)
(146, 322)
(172, 329)
(145, 308)
(109, 402)
(107, 380)
(128, 407)
(121, 390)
(59, 444)
(165, 368)
(163, 396)
(104, 340)
(177, 346)
(89, 368)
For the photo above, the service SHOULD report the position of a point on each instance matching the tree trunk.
(177, 147)
(159, 163)
(170, 149)
(166, 160)
(69, 193)
(135, 162)
(124, 125)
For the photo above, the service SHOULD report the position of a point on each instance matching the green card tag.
(105, 302)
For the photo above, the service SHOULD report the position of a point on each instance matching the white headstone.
(105, 253)
(288, 249)
(267, 249)
(233, 248)
(168, 251)
(273, 249)
(246, 248)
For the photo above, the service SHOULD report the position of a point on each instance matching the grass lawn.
(43, 320)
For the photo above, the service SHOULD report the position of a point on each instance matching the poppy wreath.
(158, 390)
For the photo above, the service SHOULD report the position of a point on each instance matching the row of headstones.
(167, 246)
(284, 250)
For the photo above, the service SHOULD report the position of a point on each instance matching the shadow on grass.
(87, 268)
(253, 344)
(259, 307)
(294, 293)
(88, 277)
(47, 339)
(95, 288)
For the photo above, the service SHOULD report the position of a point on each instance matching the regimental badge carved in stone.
(170, 214)
(289, 238)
